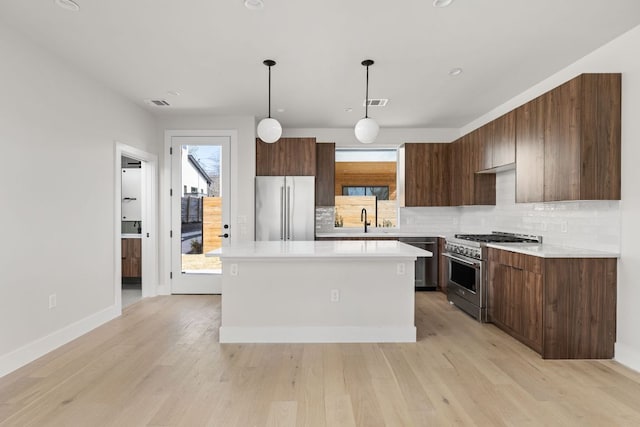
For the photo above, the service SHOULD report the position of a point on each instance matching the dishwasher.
(426, 268)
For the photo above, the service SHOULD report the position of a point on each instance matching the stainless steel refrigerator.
(285, 208)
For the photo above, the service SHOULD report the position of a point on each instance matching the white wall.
(57, 133)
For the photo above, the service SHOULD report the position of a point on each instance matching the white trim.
(164, 287)
(149, 221)
(338, 334)
(38, 348)
(627, 356)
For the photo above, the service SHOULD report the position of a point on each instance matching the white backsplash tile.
(441, 219)
(325, 219)
(584, 224)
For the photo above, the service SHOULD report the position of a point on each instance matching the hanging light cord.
(366, 101)
(269, 91)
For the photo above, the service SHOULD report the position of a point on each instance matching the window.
(366, 178)
(194, 190)
(381, 192)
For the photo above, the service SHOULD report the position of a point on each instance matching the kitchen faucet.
(363, 218)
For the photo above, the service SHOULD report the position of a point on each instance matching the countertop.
(337, 249)
(131, 236)
(552, 251)
(384, 232)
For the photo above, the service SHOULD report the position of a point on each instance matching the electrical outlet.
(233, 269)
(563, 226)
(52, 301)
(400, 269)
(335, 295)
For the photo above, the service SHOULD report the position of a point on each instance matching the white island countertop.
(552, 251)
(334, 249)
(379, 232)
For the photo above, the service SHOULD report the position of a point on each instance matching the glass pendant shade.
(366, 130)
(269, 130)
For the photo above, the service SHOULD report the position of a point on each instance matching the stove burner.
(497, 238)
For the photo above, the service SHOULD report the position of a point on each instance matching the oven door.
(465, 278)
(464, 272)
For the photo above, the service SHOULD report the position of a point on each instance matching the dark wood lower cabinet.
(443, 268)
(563, 308)
(580, 308)
(131, 257)
(515, 303)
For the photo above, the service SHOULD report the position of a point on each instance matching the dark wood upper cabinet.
(467, 186)
(503, 140)
(530, 152)
(456, 163)
(482, 186)
(325, 174)
(497, 142)
(466, 170)
(287, 156)
(485, 146)
(568, 142)
(426, 174)
(562, 143)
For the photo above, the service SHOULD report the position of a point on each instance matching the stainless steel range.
(467, 273)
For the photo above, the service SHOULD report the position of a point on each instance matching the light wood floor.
(161, 364)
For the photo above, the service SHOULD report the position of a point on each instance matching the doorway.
(131, 230)
(200, 200)
(136, 218)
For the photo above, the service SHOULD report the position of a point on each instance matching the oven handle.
(464, 261)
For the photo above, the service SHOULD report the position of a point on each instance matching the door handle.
(288, 213)
(282, 214)
(225, 235)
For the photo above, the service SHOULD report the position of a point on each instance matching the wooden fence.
(191, 209)
(349, 208)
(211, 223)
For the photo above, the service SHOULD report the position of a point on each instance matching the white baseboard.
(235, 334)
(629, 357)
(28, 353)
(163, 290)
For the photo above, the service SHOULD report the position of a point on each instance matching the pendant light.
(269, 130)
(366, 129)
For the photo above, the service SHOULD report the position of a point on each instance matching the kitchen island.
(318, 291)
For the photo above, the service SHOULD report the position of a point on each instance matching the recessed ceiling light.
(442, 3)
(68, 5)
(173, 93)
(253, 4)
(455, 72)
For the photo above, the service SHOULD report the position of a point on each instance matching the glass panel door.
(200, 183)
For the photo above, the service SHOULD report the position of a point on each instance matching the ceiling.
(211, 52)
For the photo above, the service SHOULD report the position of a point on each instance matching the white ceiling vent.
(157, 102)
(376, 102)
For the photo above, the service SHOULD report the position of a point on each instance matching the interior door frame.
(232, 134)
(149, 221)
